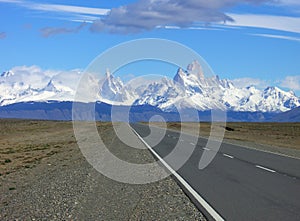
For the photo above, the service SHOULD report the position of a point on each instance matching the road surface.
(240, 183)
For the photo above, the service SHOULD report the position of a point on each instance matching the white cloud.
(286, 2)
(28, 75)
(245, 82)
(278, 37)
(37, 78)
(291, 82)
(66, 8)
(11, 1)
(81, 21)
(59, 8)
(62, 12)
(281, 23)
(148, 14)
(81, 18)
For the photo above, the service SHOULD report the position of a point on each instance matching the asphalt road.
(240, 183)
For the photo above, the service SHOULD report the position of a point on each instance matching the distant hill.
(55, 110)
(288, 116)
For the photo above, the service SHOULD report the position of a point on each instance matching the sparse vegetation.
(285, 135)
(24, 143)
(7, 160)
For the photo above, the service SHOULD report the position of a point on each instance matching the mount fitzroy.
(188, 89)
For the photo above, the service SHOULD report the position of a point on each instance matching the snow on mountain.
(7, 74)
(195, 69)
(110, 87)
(33, 84)
(164, 94)
(271, 99)
(189, 88)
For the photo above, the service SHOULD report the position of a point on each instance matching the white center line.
(226, 155)
(264, 168)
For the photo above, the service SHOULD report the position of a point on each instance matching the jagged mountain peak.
(7, 74)
(272, 88)
(274, 91)
(291, 92)
(179, 76)
(195, 69)
(50, 87)
(189, 89)
(250, 87)
(111, 88)
(194, 72)
(108, 74)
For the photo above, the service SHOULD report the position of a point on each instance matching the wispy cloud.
(245, 82)
(281, 23)
(286, 2)
(144, 15)
(50, 31)
(12, 1)
(284, 37)
(291, 82)
(68, 10)
(148, 14)
(2, 35)
(206, 27)
(38, 78)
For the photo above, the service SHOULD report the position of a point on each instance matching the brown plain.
(23, 143)
(273, 134)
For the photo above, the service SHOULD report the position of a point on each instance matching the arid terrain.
(281, 138)
(44, 176)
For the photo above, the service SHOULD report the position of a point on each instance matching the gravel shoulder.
(44, 176)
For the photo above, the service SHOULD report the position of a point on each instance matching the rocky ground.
(45, 177)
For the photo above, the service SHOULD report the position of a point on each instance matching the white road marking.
(226, 155)
(181, 140)
(215, 215)
(265, 168)
(205, 148)
(231, 143)
(192, 143)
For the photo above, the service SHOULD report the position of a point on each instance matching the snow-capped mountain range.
(189, 88)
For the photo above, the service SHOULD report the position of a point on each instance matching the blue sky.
(251, 42)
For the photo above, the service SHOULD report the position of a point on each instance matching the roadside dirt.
(45, 177)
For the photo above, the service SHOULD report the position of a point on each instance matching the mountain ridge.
(189, 88)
